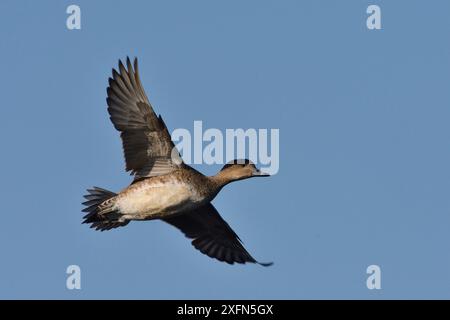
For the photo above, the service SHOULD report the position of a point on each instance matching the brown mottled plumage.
(163, 187)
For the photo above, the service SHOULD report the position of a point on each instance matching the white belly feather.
(156, 199)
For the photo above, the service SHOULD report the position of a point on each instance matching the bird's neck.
(221, 179)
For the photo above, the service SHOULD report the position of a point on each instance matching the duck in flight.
(164, 187)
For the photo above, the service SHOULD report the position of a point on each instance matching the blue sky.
(364, 145)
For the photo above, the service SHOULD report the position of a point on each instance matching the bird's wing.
(148, 148)
(212, 235)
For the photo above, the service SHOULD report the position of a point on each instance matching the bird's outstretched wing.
(148, 148)
(212, 235)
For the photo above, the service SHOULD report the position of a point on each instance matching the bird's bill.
(259, 173)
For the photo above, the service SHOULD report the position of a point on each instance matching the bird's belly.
(157, 200)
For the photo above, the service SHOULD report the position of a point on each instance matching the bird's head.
(240, 169)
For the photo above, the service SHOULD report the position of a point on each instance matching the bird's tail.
(100, 210)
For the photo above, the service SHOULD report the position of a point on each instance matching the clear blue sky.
(364, 153)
